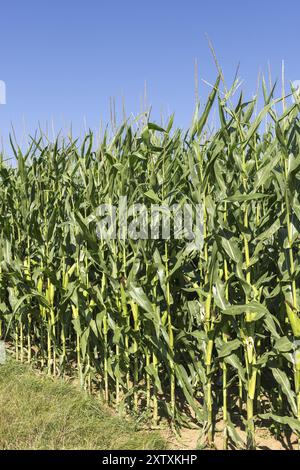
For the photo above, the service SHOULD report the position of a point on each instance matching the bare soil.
(189, 440)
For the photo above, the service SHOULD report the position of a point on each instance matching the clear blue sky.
(64, 59)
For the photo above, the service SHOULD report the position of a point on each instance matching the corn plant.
(166, 329)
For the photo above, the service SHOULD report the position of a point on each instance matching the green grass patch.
(37, 412)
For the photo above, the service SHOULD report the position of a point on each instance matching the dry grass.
(37, 412)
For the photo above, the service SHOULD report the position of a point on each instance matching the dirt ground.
(188, 440)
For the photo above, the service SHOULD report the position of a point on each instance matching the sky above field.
(63, 60)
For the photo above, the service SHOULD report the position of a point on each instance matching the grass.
(37, 412)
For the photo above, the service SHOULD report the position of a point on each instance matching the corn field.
(156, 327)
